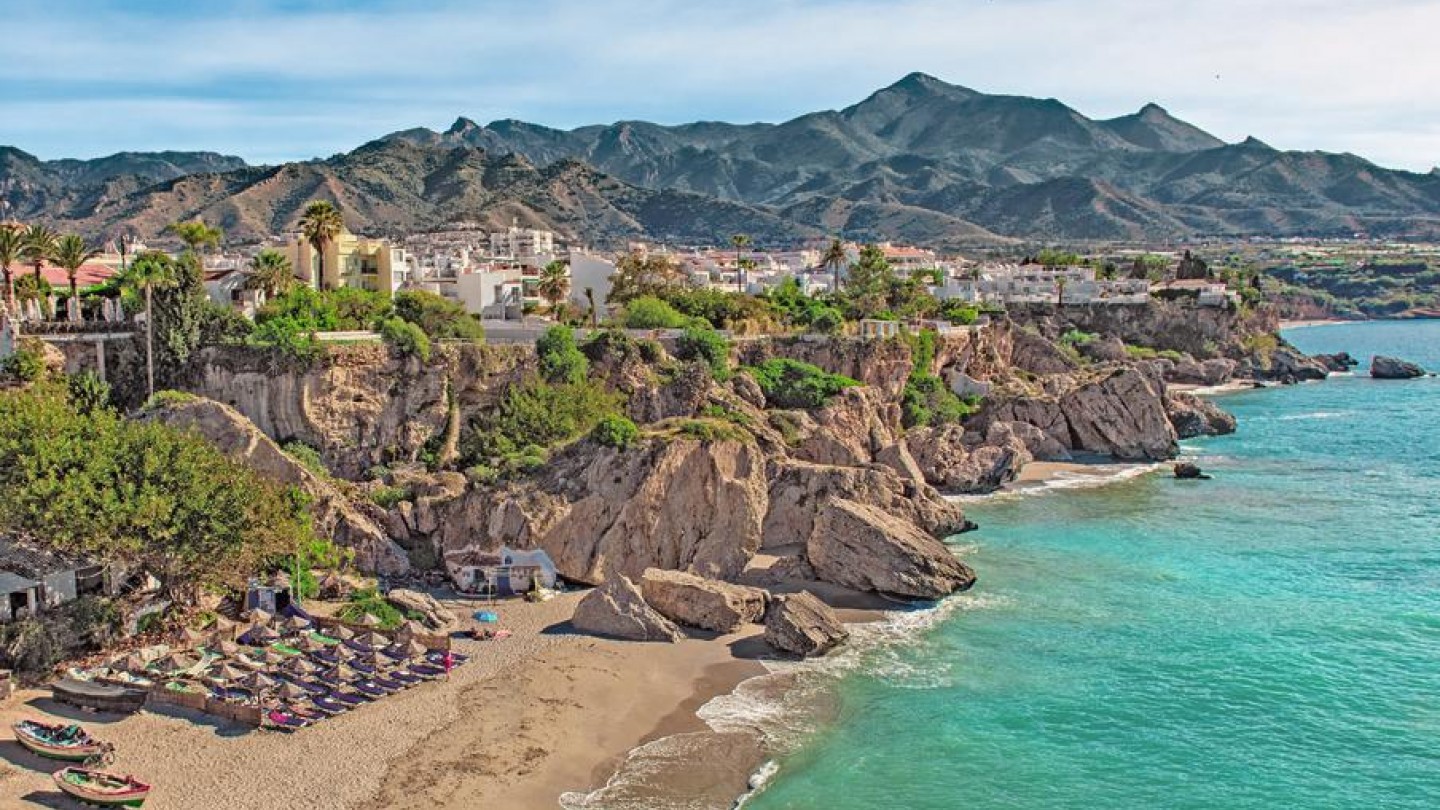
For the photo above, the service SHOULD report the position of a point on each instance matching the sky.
(277, 80)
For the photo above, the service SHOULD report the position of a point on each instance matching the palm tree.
(12, 250)
(554, 283)
(197, 235)
(594, 313)
(740, 241)
(833, 259)
(320, 223)
(1060, 291)
(72, 253)
(39, 246)
(150, 271)
(270, 271)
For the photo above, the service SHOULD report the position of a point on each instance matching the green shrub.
(615, 431)
(1075, 337)
(827, 321)
(561, 361)
(222, 326)
(709, 430)
(788, 425)
(88, 393)
(25, 364)
(290, 339)
(440, 318)
(706, 346)
(1140, 352)
(166, 398)
(649, 312)
(651, 351)
(613, 346)
(541, 415)
(369, 600)
(406, 338)
(959, 313)
(1171, 355)
(308, 457)
(791, 383)
(481, 474)
(726, 414)
(388, 497)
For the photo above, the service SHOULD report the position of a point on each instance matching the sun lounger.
(390, 683)
(438, 658)
(367, 687)
(349, 698)
(329, 704)
(308, 686)
(427, 671)
(284, 721)
(406, 678)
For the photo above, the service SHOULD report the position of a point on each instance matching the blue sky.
(272, 80)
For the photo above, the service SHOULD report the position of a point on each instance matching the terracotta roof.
(88, 274)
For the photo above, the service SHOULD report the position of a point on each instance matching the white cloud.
(1324, 74)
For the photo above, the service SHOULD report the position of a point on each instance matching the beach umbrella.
(296, 623)
(309, 644)
(341, 632)
(260, 617)
(369, 620)
(290, 691)
(190, 638)
(339, 672)
(262, 634)
(372, 640)
(413, 649)
(272, 658)
(258, 680)
(345, 653)
(228, 672)
(173, 663)
(223, 627)
(298, 666)
(226, 647)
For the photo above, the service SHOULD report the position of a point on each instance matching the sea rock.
(800, 491)
(435, 615)
(1337, 362)
(618, 610)
(1189, 472)
(1196, 416)
(800, 624)
(1208, 372)
(953, 464)
(862, 547)
(335, 516)
(1122, 414)
(1393, 368)
(699, 602)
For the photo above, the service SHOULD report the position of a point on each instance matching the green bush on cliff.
(707, 346)
(791, 383)
(649, 312)
(26, 363)
(439, 317)
(308, 457)
(535, 416)
(406, 338)
(927, 400)
(561, 361)
(615, 431)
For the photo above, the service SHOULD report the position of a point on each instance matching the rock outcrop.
(1393, 368)
(863, 547)
(1117, 411)
(618, 610)
(1186, 471)
(435, 615)
(1196, 416)
(800, 624)
(336, 517)
(1207, 372)
(1337, 362)
(699, 602)
(954, 460)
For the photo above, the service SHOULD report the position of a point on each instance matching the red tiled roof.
(88, 274)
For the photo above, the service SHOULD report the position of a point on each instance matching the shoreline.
(1306, 323)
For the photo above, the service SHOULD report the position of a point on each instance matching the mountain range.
(920, 161)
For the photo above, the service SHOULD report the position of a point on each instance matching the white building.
(521, 243)
(592, 272)
(1034, 284)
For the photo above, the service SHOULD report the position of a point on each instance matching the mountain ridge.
(920, 160)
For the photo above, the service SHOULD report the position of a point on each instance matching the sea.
(1269, 638)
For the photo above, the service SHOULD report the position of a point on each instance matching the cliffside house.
(351, 261)
(33, 580)
(507, 572)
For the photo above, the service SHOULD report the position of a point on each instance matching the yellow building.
(350, 261)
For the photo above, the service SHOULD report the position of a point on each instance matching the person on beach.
(449, 662)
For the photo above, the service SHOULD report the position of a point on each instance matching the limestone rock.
(1186, 471)
(1208, 372)
(800, 491)
(1392, 368)
(618, 610)
(335, 517)
(435, 615)
(800, 624)
(862, 547)
(953, 464)
(1121, 415)
(1337, 362)
(1194, 416)
(699, 602)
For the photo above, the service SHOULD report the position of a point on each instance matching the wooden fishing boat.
(63, 741)
(96, 696)
(102, 788)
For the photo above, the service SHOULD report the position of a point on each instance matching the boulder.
(1207, 372)
(1194, 416)
(1122, 414)
(699, 602)
(950, 462)
(800, 491)
(1186, 471)
(345, 523)
(618, 610)
(863, 547)
(1393, 368)
(1337, 362)
(435, 615)
(800, 624)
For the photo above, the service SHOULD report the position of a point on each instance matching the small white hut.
(507, 572)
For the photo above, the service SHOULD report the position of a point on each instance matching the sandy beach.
(533, 716)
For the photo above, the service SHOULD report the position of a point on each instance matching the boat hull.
(64, 753)
(80, 784)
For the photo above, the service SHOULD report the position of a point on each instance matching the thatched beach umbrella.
(298, 666)
(412, 649)
(262, 633)
(341, 632)
(372, 640)
(297, 623)
(174, 662)
(227, 672)
(369, 620)
(259, 680)
(223, 627)
(308, 644)
(408, 629)
(340, 672)
(258, 616)
(290, 691)
(190, 638)
(344, 653)
(272, 658)
(134, 663)
(226, 647)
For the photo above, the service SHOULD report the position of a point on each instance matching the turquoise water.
(1268, 639)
